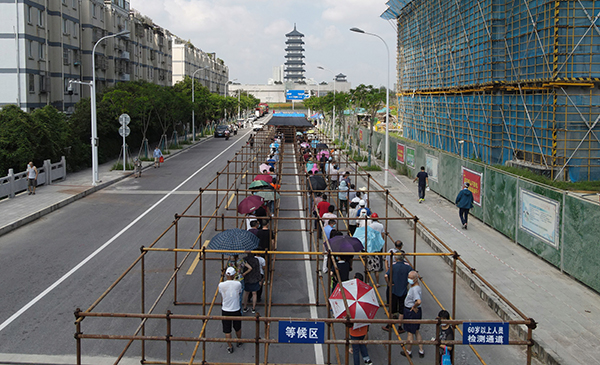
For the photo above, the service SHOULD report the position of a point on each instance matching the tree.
(371, 99)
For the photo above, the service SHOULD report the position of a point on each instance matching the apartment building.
(206, 68)
(46, 43)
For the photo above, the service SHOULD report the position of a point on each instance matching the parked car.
(257, 126)
(220, 130)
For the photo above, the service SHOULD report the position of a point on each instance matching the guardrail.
(49, 172)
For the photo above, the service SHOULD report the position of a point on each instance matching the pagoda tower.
(294, 64)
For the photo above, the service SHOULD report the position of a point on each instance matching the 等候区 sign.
(301, 332)
(485, 333)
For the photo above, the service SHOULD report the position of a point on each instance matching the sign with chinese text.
(410, 157)
(296, 95)
(539, 216)
(400, 152)
(483, 333)
(301, 332)
(474, 179)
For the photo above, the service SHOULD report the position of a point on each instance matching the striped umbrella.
(361, 299)
(234, 239)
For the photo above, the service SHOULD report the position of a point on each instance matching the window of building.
(94, 10)
(40, 17)
(101, 13)
(75, 30)
(31, 83)
(65, 26)
(29, 15)
(66, 56)
(42, 51)
(74, 4)
(66, 86)
(30, 49)
(64, 2)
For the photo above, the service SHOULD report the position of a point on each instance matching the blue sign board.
(301, 332)
(484, 333)
(296, 95)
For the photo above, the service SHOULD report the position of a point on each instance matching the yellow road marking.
(196, 260)
(230, 200)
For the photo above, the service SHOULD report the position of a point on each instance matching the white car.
(257, 126)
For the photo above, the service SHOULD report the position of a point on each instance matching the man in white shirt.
(230, 291)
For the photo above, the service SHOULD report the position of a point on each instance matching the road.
(67, 259)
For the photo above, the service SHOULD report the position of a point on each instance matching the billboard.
(539, 216)
(474, 179)
(410, 157)
(400, 148)
(296, 95)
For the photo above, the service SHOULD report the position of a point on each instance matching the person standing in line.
(329, 227)
(230, 291)
(157, 155)
(262, 263)
(322, 208)
(446, 334)
(352, 223)
(343, 197)
(375, 263)
(397, 279)
(464, 202)
(423, 178)
(252, 280)
(358, 335)
(32, 175)
(239, 265)
(412, 310)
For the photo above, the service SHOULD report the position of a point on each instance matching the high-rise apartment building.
(46, 43)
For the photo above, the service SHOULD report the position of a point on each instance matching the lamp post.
(461, 143)
(95, 178)
(333, 123)
(387, 106)
(193, 110)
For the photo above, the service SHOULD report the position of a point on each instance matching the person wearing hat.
(362, 213)
(230, 291)
(352, 210)
(364, 195)
(464, 202)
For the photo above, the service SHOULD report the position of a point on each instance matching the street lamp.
(193, 110)
(461, 143)
(92, 85)
(387, 106)
(333, 123)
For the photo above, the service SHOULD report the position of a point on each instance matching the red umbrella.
(267, 178)
(250, 204)
(361, 298)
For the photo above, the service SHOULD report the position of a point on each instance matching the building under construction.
(515, 80)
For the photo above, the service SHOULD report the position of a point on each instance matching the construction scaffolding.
(515, 80)
(184, 244)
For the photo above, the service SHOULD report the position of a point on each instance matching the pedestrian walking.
(230, 291)
(251, 140)
(397, 278)
(358, 335)
(158, 156)
(423, 183)
(252, 280)
(464, 202)
(412, 310)
(32, 175)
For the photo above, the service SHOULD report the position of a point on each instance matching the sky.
(249, 35)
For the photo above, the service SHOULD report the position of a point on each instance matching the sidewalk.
(567, 312)
(24, 208)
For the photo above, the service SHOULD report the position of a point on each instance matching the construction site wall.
(515, 80)
(572, 245)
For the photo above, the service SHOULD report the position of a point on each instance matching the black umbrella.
(317, 182)
(321, 145)
(234, 239)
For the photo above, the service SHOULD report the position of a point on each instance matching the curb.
(40, 213)
(503, 311)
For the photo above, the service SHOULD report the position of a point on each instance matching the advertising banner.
(474, 179)
(360, 135)
(410, 157)
(400, 152)
(431, 166)
(539, 216)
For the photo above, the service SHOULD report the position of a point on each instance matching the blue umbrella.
(234, 239)
(374, 240)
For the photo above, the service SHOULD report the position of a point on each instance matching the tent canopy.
(294, 121)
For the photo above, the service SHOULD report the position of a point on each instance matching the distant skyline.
(250, 35)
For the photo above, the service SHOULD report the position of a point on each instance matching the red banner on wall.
(360, 136)
(400, 152)
(474, 179)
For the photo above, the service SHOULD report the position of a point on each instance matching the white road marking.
(319, 358)
(101, 248)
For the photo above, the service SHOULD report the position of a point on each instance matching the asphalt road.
(69, 258)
